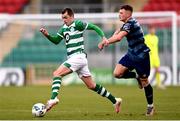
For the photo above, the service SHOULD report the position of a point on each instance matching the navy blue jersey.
(135, 37)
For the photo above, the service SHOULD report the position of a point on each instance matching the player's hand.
(44, 31)
(103, 43)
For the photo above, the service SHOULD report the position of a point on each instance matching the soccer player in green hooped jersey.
(72, 33)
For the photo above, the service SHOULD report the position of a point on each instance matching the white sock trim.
(107, 94)
(56, 85)
(150, 105)
(102, 91)
(55, 90)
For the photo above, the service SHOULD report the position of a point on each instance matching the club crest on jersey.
(67, 37)
(126, 26)
(72, 29)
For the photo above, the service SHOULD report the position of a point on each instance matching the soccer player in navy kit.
(137, 56)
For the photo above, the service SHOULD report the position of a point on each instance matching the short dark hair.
(127, 7)
(69, 11)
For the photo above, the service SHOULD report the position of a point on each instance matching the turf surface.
(79, 103)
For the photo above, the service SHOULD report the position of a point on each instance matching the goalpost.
(166, 23)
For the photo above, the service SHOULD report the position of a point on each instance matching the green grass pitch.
(79, 103)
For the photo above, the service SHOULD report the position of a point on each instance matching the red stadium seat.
(22, 2)
(8, 2)
(11, 9)
(1, 2)
(147, 8)
(162, 5)
(2, 9)
(155, 6)
(165, 6)
(12, 6)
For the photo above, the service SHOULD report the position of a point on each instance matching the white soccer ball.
(38, 110)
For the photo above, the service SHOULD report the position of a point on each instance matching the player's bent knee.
(144, 81)
(117, 75)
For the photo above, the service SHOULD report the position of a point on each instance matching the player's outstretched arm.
(100, 33)
(96, 29)
(117, 37)
(54, 39)
(116, 32)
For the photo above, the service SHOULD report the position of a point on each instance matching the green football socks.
(103, 92)
(99, 89)
(55, 87)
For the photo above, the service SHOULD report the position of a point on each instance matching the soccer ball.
(38, 110)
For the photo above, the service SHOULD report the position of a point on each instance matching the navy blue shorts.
(142, 66)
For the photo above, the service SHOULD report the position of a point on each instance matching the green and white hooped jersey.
(73, 36)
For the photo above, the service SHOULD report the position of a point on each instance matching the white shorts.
(79, 64)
